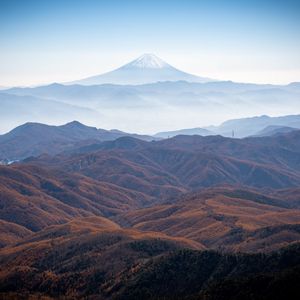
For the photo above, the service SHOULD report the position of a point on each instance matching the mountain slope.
(116, 177)
(147, 68)
(12, 233)
(224, 218)
(275, 129)
(32, 139)
(208, 275)
(80, 258)
(250, 126)
(173, 166)
(92, 266)
(34, 198)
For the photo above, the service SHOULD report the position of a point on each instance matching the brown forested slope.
(224, 218)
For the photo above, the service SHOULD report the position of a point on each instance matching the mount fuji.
(147, 68)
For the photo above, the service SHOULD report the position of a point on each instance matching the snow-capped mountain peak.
(147, 68)
(147, 61)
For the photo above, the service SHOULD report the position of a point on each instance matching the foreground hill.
(80, 258)
(122, 264)
(213, 276)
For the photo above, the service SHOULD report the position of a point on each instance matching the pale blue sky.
(249, 41)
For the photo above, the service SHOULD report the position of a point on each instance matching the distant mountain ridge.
(244, 127)
(191, 131)
(275, 129)
(182, 102)
(32, 139)
(250, 126)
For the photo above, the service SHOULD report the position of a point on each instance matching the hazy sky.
(250, 41)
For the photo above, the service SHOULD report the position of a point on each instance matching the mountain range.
(194, 211)
(175, 101)
(244, 127)
(33, 139)
(87, 213)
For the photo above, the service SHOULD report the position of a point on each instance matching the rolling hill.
(228, 219)
(92, 266)
(34, 198)
(187, 162)
(80, 258)
(108, 219)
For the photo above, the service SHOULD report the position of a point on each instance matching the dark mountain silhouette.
(32, 139)
(209, 275)
(92, 266)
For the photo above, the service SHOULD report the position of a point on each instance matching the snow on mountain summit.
(147, 60)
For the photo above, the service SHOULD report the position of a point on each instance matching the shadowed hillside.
(126, 265)
(225, 219)
(80, 258)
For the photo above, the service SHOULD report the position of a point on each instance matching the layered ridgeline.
(253, 126)
(32, 139)
(144, 90)
(86, 214)
(251, 184)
